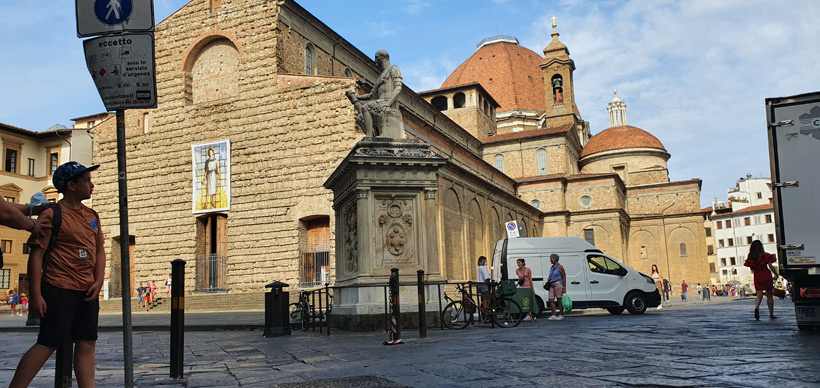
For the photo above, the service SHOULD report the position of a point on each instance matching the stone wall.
(274, 124)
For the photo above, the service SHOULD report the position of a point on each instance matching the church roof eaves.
(527, 134)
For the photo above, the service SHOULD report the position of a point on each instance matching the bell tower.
(558, 88)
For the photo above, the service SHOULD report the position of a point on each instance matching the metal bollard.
(177, 317)
(65, 359)
(422, 309)
(395, 313)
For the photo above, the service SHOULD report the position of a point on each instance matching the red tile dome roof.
(509, 72)
(621, 137)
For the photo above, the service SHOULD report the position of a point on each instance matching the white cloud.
(695, 74)
(414, 7)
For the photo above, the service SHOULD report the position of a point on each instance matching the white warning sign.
(122, 67)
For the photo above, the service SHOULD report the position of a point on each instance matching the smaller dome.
(621, 137)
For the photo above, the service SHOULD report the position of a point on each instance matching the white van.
(594, 280)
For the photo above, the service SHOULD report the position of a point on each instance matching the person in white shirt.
(484, 277)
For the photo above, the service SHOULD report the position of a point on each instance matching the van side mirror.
(622, 271)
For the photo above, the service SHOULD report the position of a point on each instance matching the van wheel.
(542, 307)
(615, 310)
(635, 303)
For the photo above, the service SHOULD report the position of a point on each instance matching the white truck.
(794, 145)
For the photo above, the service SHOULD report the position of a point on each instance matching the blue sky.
(693, 73)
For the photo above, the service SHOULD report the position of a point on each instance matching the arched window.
(348, 72)
(499, 162)
(682, 250)
(440, 102)
(309, 63)
(458, 100)
(541, 156)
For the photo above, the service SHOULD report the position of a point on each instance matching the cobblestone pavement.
(708, 345)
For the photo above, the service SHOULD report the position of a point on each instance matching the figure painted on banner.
(764, 275)
(211, 179)
(374, 116)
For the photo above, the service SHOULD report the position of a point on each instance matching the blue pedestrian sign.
(113, 12)
(107, 17)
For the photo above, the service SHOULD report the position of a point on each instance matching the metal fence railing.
(314, 269)
(211, 273)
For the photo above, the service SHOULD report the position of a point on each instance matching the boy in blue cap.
(65, 278)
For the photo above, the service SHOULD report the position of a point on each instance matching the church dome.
(509, 72)
(621, 137)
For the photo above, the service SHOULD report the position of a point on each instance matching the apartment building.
(29, 159)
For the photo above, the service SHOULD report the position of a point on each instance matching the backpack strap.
(56, 222)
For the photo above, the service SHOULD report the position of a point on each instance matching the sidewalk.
(255, 320)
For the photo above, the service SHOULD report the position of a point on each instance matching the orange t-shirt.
(74, 257)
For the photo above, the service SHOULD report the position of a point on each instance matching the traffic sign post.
(122, 66)
(104, 17)
(121, 63)
(512, 229)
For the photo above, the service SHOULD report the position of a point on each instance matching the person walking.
(556, 284)
(14, 301)
(760, 263)
(700, 291)
(683, 289)
(168, 283)
(667, 289)
(153, 293)
(656, 276)
(23, 305)
(65, 283)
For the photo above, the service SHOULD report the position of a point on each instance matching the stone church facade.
(270, 79)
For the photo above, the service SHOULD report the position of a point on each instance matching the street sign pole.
(127, 341)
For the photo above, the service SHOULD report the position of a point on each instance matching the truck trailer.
(794, 148)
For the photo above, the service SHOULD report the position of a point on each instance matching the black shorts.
(67, 315)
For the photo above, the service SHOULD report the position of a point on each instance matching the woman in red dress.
(761, 264)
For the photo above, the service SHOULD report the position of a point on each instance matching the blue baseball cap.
(68, 171)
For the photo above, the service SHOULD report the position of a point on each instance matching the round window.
(586, 201)
(536, 203)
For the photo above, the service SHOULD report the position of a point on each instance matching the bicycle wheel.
(455, 316)
(295, 316)
(502, 314)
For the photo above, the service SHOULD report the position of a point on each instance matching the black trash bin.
(276, 310)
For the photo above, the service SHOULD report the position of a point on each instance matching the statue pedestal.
(384, 197)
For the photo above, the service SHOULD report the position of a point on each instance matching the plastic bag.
(567, 303)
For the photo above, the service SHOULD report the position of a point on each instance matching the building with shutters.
(29, 159)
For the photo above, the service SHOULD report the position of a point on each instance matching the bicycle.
(501, 311)
(302, 313)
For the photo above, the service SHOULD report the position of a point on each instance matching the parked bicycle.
(501, 310)
(303, 313)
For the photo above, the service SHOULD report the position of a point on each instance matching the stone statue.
(380, 115)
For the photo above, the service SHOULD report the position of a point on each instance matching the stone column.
(384, 196)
